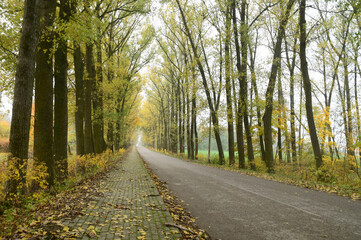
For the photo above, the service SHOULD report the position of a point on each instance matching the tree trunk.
(243, 84)
(79, 99)
(267, 117)
(182, 150)
(23, 92)
(88, 85)
(43, 126)
(292, 66)
(357, 107)
(229, 87)
(98, 115)
(349, 140)
(279, 130)
(61, 99)
(307, 86)
(259, 118)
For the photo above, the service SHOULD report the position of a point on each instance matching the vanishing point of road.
(230, 205)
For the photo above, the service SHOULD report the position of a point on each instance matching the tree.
(227, 44)
(307, 86)
(267, 117)
(43, 126)
(61, 96)
(205, 84)
(23, 91)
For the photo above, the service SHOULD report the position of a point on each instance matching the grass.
(336, 177)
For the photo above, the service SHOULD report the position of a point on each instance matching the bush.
(79, 167)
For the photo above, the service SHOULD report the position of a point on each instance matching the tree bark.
(291, 67)
(88, 86)
(61, 99)
(243, 84)
(98, 115)
(79, 101)
(227, 61)
(43, 125)
(279, 130)
(357, 106)
(23, 92)
(258, 110)
(307, 86)
(349, 140)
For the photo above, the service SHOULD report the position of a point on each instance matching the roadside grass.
(22, 211)
(338, 176)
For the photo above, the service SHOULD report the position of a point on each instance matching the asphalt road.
(230, 205)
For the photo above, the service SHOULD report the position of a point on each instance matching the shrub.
(79, 167)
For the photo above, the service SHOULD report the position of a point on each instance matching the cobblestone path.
(128, 207)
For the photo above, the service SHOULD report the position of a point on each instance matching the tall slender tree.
(43, 126)
(267, 117)
(61, 96)
(23, 92)
(307, 86)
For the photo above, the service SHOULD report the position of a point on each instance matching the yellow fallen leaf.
(91, 228)
(92, 234)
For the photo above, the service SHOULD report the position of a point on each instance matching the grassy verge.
(337, 178)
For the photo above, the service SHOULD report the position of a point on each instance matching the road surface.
(229, 205)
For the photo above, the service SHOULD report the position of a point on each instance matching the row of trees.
(82, 59)
(228, 59)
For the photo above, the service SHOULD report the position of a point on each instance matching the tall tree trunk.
(98, 115)
(23, 93)
(110, 75)
(209, 138)
(279, 129)
(196, 140)
(228, 86)
(205, 85)
(267, 117)
(307, 86)
(183, 119)
(79, 101)
(189, 128)
(357, 106)
(239, 113)
(291, 66)
(88, 86)
(43, 126)
(259, 118)
(349, 140)
(61, 99)
(243, 84)
(192, 146)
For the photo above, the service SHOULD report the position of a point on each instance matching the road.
(230, 205)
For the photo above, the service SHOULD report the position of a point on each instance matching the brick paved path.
(129, 208)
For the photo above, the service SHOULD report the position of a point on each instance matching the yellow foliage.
(36, 172)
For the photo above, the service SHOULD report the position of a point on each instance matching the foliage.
(11, 217)
(11, 12)
(36, 174)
